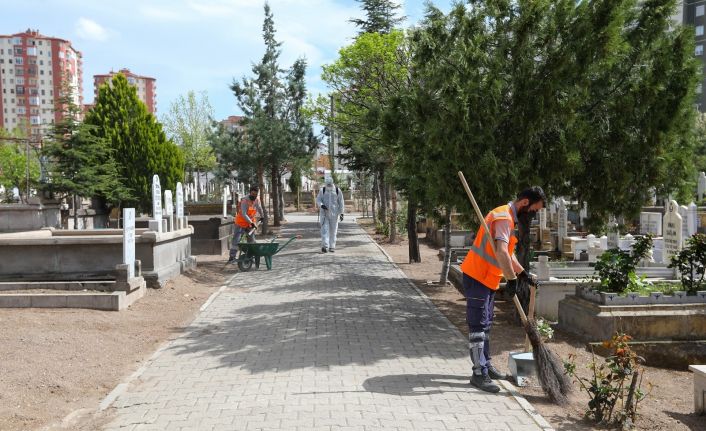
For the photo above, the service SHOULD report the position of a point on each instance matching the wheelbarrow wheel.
(245, 263)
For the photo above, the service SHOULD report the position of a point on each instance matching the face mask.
(252, 198)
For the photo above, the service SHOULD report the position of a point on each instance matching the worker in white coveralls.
(330, 203)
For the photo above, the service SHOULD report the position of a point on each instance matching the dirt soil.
(61, 362)
(668, 407)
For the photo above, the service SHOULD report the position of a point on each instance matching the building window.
(699, 50)
(700, 10)
(699, 30)
(32, 51)
(19, 60)
(20, 81)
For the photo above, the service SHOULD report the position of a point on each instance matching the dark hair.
(254, 189)
(534, 194)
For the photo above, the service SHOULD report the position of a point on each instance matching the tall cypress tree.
(141, 147)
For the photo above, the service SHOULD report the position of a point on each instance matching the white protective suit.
(330, 197)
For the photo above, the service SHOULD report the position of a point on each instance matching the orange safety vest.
(252, 212)
(480, 263)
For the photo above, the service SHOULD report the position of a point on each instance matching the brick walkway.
(331, 342)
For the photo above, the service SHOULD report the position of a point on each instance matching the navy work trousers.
(480, 302)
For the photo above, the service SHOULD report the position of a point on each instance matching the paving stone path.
(336, 341)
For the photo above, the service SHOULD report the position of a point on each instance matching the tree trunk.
(273, 195)
(261, 186)
(280, 187)
(382, 216)
(393, 218)
(523, 251)
(414, 255)
(373, 198)
(75, 213)
(443, 279)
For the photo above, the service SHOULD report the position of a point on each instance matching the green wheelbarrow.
(250, 253)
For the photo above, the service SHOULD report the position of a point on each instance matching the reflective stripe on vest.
(480, 262)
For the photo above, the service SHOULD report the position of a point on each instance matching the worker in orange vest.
(482, 271)
(248, 209)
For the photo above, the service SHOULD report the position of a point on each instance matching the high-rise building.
(146, 87)
(693, 13)
(33, 68)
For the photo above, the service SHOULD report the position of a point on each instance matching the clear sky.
(199, 45)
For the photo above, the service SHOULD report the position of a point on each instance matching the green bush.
(616, 267)
(690, 263)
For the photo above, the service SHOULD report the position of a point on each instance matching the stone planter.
(648, 322)
(632, 298)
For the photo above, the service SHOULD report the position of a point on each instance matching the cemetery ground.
(669, 405)
(59, 361)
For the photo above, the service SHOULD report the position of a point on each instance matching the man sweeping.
(482, 272)
(331, 208)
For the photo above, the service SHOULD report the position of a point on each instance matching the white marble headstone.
(129, 240)
(613, 234)
(684, 213)
(156, 223)
(562, 223)
(179, 200)
(543, 218)
(651, 223)
(672, 225)
(701, 186)
(226, 192)
(156, 198)
(169, 209)
(693, 219)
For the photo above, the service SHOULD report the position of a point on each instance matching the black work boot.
(323, 249)
(484, 383)
(495, 374)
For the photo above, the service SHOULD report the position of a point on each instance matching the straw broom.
(550, 371)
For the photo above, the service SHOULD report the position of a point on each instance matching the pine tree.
(380, 16)
(81, 164)
(141, 147)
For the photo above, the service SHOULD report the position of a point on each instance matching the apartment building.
(146, 86)
(33, 68)
(693, 13)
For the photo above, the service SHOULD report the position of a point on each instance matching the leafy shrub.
(545, 330)
(690, 263)
(615, 267)
(615, 388)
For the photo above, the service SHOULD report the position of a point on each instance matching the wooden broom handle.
(520, 311)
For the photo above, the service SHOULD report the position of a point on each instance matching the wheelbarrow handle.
(286, 244)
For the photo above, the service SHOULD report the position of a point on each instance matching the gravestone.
(701, 187)
(583, 214)
(603, 241)
(613, 234)
(226, 192)
(156, 223)
(169, 210)
(672, 225)
(693, 218)
(129, 241)
(562, 223)
(651, 223)
(684, 213)
(543, 218)
(180, 206)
